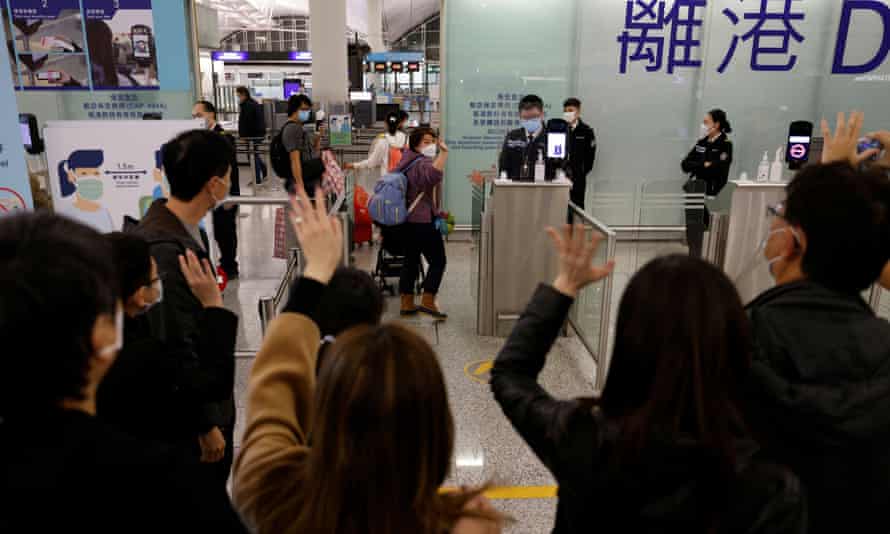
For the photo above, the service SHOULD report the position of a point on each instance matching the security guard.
(708, 165)
(582, 150)
(523, 146)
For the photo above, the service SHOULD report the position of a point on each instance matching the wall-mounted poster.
(121, 42)
(100, 171)
(81, 44)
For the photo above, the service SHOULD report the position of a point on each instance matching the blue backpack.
(388, 205)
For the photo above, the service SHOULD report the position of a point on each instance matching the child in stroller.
(391, 257)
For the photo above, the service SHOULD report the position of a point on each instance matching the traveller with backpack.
(386, 152)
(407, 197)
(294, 156)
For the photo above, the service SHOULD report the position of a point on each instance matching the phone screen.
(49, 76)
(800, 139)
(141, 47)
(556, 145)
(26, 134)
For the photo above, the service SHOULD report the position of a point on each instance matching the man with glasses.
(819, 388)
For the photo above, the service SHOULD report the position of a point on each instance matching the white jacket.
(379, 154)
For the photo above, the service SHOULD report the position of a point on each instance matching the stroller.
(391, 257)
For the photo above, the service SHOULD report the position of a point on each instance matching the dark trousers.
(260, 169)
(225, 232)
(422, 239)
(697, 219)
(577, 195)
(217, 473)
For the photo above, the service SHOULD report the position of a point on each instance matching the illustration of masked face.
(89, 185)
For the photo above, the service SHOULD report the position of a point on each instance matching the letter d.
(843, 32)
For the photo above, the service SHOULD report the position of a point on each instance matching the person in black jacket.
(198, 166)
(225, 218)
(150, 393)
(62, 469)
(708, 165)
(582, 150)
(523, 146)
(819, 391)
(252, 126)
(664, 449)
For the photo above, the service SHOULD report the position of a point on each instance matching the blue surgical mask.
(531, 125)
(304, 115)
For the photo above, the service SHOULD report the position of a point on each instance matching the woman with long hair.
(665, 448)
(366, 449)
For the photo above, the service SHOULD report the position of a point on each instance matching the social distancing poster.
(101, 172)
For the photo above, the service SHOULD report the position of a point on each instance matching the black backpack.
(280, 157)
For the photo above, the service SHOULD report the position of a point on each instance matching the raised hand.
(320, 236)
(576, 268)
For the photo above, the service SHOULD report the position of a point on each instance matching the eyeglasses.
(776, 210)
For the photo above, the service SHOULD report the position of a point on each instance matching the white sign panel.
(103, 171)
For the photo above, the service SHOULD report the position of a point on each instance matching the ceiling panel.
(399, 15)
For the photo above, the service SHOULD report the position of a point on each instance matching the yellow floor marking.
(477, 370)
(517, 492)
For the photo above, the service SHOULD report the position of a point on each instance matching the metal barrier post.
(347, 238)
(267, 313)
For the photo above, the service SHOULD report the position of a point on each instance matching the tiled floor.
(487, 449)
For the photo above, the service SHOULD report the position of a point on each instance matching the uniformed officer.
(582, 149)
(523, 147)
(708, 165)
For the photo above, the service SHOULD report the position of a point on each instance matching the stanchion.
(267, 313)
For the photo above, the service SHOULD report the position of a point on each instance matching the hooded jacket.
(819, 397)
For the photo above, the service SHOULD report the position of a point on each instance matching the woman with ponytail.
(386, 151)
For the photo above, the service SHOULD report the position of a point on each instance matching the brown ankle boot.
(408, 307)
(429, 307)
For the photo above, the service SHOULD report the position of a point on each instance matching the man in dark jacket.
(198, 169)
(151, 393)
(582, 150)
(252, 126)
(819, 389)
(61, 468)
(225, 218)
(523, 146)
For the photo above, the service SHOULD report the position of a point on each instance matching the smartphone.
(49, 76)
(868, 144)
(557, 139)
(800, 140)
(140, 36)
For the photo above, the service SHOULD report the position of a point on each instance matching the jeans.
(260, 168)
(422, 239)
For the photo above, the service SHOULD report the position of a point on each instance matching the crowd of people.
(116, 407)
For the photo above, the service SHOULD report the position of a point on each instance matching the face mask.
(531, 125)
(304, 115)
(119, 327)
(430, 151)
(705, 130)
(758, 259)
(570, 116)
(90, 189)
(217, 203)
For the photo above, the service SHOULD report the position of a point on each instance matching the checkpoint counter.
(515, 253)
(738, 226)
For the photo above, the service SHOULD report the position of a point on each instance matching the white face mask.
(115, 347)
(771, 262)
(570, 116)
(758, 259)
(430, 151)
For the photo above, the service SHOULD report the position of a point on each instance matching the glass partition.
(647, 72)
